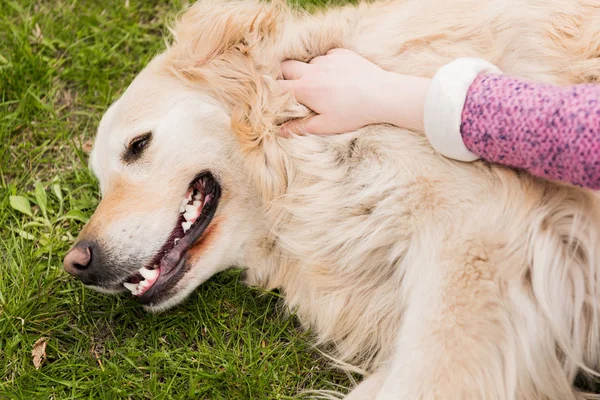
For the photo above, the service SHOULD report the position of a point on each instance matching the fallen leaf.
(39, 352)
(87, 146)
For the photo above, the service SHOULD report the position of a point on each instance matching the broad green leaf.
(77, 215)
(21, 204)
(57, 191)
(44, 240)
(41, 197)
(85, 201)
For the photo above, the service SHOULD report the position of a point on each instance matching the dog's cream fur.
(444, 279)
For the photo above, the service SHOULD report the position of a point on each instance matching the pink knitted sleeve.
(551, 131)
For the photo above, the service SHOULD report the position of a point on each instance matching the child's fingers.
(338, 51)
(320, 125)
(293, 69)
(286, 86)
(291, 127)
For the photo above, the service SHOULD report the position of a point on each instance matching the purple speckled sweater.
(550, 131)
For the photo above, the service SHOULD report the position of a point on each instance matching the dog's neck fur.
(321, 272)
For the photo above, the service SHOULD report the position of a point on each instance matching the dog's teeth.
(186, 226)
(144, 285)
(182, 206)
(197, 204)
(132, 287)
(148, 274)
(191, 213)
(176, 240)
(197, 196)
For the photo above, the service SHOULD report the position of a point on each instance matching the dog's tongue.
(173, 256)
(173, 262)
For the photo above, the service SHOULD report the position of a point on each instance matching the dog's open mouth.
(196, 211)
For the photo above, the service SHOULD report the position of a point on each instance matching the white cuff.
(445, 102)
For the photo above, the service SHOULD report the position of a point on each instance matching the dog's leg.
(455, 339)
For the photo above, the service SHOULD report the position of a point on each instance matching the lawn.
(61, 64)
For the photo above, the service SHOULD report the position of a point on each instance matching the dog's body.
(444, 279)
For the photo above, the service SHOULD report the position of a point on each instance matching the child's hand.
(341, 87)
(348, 92)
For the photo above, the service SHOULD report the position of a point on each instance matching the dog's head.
(177, 159)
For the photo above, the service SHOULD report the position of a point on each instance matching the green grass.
(61, 64)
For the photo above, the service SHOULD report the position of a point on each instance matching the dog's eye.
(136, 147)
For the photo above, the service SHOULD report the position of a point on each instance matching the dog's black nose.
(86, 262)
(78, 259)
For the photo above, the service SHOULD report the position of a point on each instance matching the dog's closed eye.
(136, 147)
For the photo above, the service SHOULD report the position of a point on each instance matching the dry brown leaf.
(39, 352)
(87, 146)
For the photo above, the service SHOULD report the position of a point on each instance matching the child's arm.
(551, 131)
(468, 110)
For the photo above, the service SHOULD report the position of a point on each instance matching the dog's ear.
(222, 47)
(213, 28)
(233, 50)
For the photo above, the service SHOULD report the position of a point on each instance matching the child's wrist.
(383, 97)
(402, 101)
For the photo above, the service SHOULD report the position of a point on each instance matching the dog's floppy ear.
(217, 45)
(213, 28)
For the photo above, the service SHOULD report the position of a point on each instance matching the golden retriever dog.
(441, 279)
